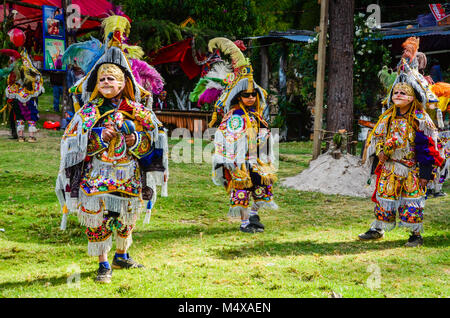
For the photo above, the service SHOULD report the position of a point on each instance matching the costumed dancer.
(437, 109)
(24, 85)
(84, 55)
(403, 147)
(6, 109)
(438, 112)
(106, 151)
(243, 157)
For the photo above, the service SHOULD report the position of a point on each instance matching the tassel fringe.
(99, 248)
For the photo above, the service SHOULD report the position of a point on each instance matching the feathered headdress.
(147, 76)
(211, 86)
(442, 91)
(114, 51)
(86, 54)
(410, 48)
(225, 81)
(116, 29)
(32, 83)
(406, 74)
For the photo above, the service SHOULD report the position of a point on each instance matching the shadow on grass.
(74, 234)
(184, 232)
(48, 281)
(264, 248)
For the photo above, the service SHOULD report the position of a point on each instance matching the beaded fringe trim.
(100, 248)
(384, 226)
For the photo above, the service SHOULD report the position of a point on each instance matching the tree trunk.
(264, 67)
(340, 70)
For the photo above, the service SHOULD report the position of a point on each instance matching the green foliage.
(370, 55)
(309, 17)
(160, 25)
(302, 69)
(279, 121)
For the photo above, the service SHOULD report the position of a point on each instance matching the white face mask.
(108, 86)
(400, 98)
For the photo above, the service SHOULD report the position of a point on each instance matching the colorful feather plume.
(84, 53)
(115, 23)
(4, 72)
(211, 85)
(147, 76)
(209, 96)
(410, 47)
(387, 77)
(441, 89)
(228, 47)
(133, 51)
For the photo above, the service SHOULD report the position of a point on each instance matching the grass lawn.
(192, 249)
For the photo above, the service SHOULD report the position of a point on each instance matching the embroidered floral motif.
(109, 225)
(239, 198)
(88, 113)
(98, 234)
(410, 214)
(143, 116)
(262, 193)
(382, 215)
(95, 142)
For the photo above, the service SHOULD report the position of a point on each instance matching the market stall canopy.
(433, 39)
(26, 15)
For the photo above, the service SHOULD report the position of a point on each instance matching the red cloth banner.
(180, 52)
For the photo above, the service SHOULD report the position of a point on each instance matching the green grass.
(192, 249)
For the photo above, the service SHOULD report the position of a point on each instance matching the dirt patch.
(346, 176)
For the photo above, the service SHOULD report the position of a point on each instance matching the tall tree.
(340, 66)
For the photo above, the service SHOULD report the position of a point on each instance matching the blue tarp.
(296, 38)
(407, 35)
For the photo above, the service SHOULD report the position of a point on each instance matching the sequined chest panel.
(402, 139)
(113, 169)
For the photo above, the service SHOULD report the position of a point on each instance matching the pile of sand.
(346, 176)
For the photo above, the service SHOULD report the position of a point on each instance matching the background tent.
(26, 15)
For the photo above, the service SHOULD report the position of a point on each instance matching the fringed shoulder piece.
(426, 124)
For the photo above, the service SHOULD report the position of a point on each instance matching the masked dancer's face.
(248, 98)
(401, 98)
(109, 86)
